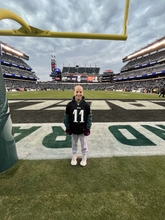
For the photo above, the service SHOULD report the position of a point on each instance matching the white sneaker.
(84, 161)
(74, 160)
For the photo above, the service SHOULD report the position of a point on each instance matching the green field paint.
(22, 133)
(135, 137)
(8, 154)
(159, 132)
(50, 141)
(57, 139)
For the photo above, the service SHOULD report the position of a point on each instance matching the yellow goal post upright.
(29, 31)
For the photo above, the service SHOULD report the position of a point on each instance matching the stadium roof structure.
(158, 44)
(8, 49)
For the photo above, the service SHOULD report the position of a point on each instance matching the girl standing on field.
(78, 121)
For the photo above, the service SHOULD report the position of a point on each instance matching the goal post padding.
(8, 153)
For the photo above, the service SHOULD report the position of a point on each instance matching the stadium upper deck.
(13, 64)
(147, 62)
(81, 70)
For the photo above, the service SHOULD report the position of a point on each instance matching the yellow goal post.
(29, 31)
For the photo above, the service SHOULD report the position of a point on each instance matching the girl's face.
(78, 93)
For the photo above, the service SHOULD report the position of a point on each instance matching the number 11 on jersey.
(76, 113)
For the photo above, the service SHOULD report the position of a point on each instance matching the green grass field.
(125, 188)
(89, 94)
(111, 188)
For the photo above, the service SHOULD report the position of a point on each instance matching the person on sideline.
(78, 121)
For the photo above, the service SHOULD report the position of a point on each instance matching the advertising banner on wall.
(92, 79)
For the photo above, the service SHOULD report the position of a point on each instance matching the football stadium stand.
(80, 74)
(14, 68)
(144, 71)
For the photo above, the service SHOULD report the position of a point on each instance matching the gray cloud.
(145, 24)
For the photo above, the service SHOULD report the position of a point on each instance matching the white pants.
(83, 142)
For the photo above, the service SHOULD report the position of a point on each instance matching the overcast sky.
(145, 25)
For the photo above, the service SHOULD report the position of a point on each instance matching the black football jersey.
(78, 115)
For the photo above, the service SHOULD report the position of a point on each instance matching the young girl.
(78, 121)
